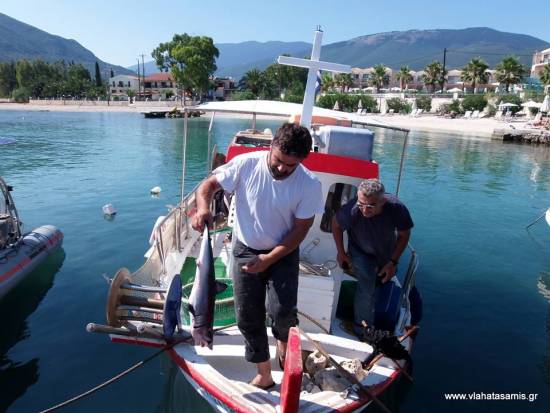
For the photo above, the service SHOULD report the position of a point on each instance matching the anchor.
(155, 307)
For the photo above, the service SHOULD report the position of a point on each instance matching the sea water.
(485, 281)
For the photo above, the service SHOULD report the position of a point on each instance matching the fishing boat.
(138, 301)
(20, 252)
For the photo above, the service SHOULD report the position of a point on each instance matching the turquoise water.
(486, 325)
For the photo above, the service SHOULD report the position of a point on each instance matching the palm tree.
(544, 75)
(343, 80)
(434, 75)
(327, 82)
(475, 73)
(510, 71)
(379, 77)
(253, 80)
(404, 76)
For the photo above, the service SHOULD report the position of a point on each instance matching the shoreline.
(483, 128)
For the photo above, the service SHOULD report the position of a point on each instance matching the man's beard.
(279, 175)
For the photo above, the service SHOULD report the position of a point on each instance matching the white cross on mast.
(314, 65)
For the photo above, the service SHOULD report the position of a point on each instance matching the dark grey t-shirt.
(376, 235)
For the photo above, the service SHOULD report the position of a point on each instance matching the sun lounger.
(475, 114)
(468, 114)
(413, 112)
(498, 115)
(419, 112)
(536, 121)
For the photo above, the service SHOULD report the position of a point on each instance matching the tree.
(404, 76)
(78, 80)
(24, 74)
(8, 79)
(98, 81)
(343, 81)
(279, 79)
(544, 75)
(510, 71)
(190, 59)
(253, 80)
(112, 73)
(379, 77)
(475, 73)
(327, 82)
(434, 75)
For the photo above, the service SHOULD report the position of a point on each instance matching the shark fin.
(220, 287)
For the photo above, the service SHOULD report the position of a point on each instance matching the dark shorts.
(280, 283)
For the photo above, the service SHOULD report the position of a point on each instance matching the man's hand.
(387, 272)
(344, 261)
(200, 217)
(258, 264)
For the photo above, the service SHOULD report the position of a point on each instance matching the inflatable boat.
(20, 252)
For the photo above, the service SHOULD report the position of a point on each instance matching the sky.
(118, 31)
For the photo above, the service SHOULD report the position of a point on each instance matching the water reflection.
(19, 304)
(178, 395)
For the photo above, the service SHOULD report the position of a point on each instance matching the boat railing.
(169, 237)
(410, 275)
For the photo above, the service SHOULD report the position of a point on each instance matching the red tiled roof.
(159, 77)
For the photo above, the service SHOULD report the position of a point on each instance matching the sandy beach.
(474, 127)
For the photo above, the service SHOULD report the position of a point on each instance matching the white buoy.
(109, 209)
(156, 190)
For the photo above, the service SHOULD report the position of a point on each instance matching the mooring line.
(115, 378)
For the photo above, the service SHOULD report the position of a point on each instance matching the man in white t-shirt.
(276, 201)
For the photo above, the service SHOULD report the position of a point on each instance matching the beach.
(475, 127)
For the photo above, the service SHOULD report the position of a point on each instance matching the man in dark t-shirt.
(379, 228)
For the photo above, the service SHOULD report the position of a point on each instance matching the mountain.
(417, 48)
(413, 48)
(22, 41)
(237, 58)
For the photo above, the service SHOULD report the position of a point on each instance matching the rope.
(124, 373)
(307, 317)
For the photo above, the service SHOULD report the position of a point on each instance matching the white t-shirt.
(265, 207)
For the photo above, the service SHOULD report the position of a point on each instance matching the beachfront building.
(159, 86)
(223, 87)
(119, 85)
(453, 80)
(539, 60)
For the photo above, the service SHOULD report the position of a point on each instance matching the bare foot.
(262, 382)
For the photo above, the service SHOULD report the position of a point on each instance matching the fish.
(203, 295)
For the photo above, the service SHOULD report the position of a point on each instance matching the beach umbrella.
(454, 90)
(545, 107)
(531, 104)
(414, 106)
(336, 106)
(368, 89)
(507, 105)
(395, 89)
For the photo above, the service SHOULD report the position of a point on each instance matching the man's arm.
(388, 271)
(289, 243)
(203, 198)
(344, 261)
